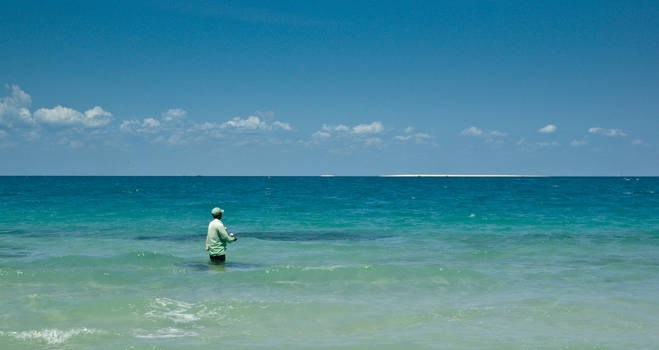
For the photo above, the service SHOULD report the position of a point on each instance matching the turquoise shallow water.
(330, 263)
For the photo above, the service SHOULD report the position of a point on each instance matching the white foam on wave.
(162, 333)
(51, 335)
(174, 310)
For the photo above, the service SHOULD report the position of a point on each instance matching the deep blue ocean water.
(330, 263)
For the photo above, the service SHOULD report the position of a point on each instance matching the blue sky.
(345, 88)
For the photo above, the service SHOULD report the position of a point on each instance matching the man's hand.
(234, 237)
(207, 247)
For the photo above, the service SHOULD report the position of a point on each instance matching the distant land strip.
(460, 175)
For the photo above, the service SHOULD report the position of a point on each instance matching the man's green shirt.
(217, 238)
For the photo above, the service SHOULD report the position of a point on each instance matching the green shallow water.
(330, 263)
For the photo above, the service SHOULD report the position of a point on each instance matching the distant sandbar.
(459, 175)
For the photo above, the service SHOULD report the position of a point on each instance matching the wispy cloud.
(547, 129)
(335, 128)
(477, 132)
(489, 136)
(372, 128)
(147, 126)
(254, 123)
(375, 127)
(321, 135)
(607, 132)
(577, 143)
(70, 125)
(172, 122)
(548, 144)
(419, 137)
(175, 128)
(281, 125)
(472, 131)
(174, 114)
(249, 123)
(639, 142)
(344, 136)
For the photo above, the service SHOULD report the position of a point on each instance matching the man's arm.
(222, 231)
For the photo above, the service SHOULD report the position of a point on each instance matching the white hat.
(216, 211)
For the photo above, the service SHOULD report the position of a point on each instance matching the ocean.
(330, 263)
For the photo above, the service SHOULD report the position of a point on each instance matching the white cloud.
(489, 136)
(97, 117)
(58, 115)
(373, 128)
(548, 144)
(129, 125)
(151, 123)
(249, 123)
(207, 126)
(14, 112)
(419, 137)
(547, 129)
(3, 134)
(409, 129)
(18, 96)
(174, 128)
(254, 123)
(148, 126)
(171, 121)
(321, 135)
(472, 131)
(64, 116)
(349, 137)
(576, 143)
(496, 133)
(337, 128)
(171, 126)
(14, 109)
(283, 126)
(607, 132)
(173, 114)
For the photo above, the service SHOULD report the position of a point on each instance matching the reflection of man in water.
(217, 238)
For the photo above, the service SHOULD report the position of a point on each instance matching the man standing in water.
(217, 238)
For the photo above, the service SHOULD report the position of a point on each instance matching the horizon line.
(331, 175)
